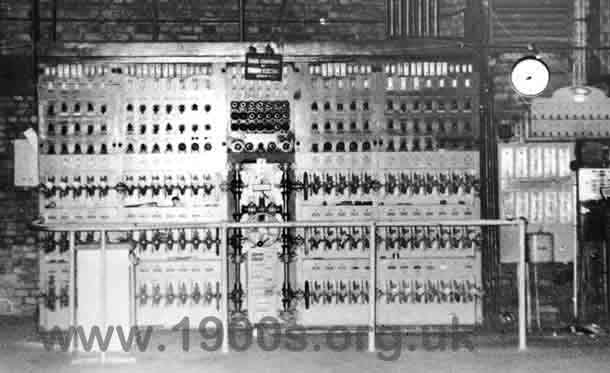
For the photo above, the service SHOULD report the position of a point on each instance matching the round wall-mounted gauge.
(262, 237)
(530, 76)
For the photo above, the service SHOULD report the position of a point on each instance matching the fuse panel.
(424, 292)
(341, 108)
(123, 142)
(430, 105)
(537, 183)
(169, 291)
(431, 293)
(261, 112)
(79, 155)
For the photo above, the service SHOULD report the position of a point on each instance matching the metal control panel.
(339, 138)
(125, 142)
(395, 141)
(536, 183)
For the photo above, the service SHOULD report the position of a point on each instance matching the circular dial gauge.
(530, 76)
(262, 237)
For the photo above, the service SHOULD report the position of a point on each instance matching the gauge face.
(262, 237)
(530, 76)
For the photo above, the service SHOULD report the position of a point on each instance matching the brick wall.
(18, 253)
(547, 24)
(210, 20)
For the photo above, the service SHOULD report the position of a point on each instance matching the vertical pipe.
(237, 254)
(528, 296)
(286, 242)
(236, 241)
(415, 17)
(103, 295)
(521, 284)
(42, 284)
(605, 263)
(398, 16)
(422, 17)
(536, 296)
(387, 18)
(286, 295)
(579, 74)
(414, 12)
(132, 295)
(575, 282)
(482, 35)
(372, 287)
(407, 17)
(426, 17)
(593, 29)
(72, 288)
(420, 23)
(394, 18)
(606, 266)
(225, 289)
(435, 14)
(431, 15)
(391, 18)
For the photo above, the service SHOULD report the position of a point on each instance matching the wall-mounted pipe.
(579, 69)
(406, 14)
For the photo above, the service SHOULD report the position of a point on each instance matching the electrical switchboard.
(340, 139)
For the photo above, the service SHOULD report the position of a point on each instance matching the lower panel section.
(429, 292)
(55, 285)
(336, 292)
(409, 292)
(92, 309)
(264, 284)
(168, 291)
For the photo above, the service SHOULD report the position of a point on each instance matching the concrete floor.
(491, 354)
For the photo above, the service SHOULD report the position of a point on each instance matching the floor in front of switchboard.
(19, 352)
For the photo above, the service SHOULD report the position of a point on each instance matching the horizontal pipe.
(331, 49)
(488, 222)
(219, 49)
(116, 227)
(305, 224)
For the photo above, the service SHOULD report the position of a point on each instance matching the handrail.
(114, 227)
(223, 226)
